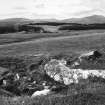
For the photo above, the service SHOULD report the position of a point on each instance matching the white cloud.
(50, 8)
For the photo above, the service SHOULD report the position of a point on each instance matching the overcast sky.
(42, 9)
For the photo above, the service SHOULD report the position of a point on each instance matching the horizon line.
(52, 18)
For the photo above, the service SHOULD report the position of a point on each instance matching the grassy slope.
(65, 44)
(85, 40)
(22, 37)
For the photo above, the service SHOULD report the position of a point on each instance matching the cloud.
(94, 4)
(15, 15)
(39, 3)
(39, 6)
(88, 13)
(52, 8)
(19, 8)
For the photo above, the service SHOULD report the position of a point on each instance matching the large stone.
(92, 55)
(61, 73)
(57, 70)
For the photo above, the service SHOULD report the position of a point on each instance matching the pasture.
(75, 42)
(68, 43)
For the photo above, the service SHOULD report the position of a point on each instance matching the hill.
(14, 21)
(86, 20)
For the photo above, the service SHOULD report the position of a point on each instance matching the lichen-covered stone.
(61, 73)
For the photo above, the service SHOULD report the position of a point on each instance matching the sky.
(50, 9)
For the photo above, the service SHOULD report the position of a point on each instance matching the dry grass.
(85, 93)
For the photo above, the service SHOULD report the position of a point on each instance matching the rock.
(41, 93)
(63, 74)
(92, 55)
(88, 56)
(60, 72)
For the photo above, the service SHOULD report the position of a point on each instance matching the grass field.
(22, 36)
(68, 43)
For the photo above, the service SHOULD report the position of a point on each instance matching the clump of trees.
(18, 28)
(34, 27)
(82, 26)
(7, 29)
(30, 28)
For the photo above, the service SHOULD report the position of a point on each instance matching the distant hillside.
(51, 25)
(14, 21)
(86, 20)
